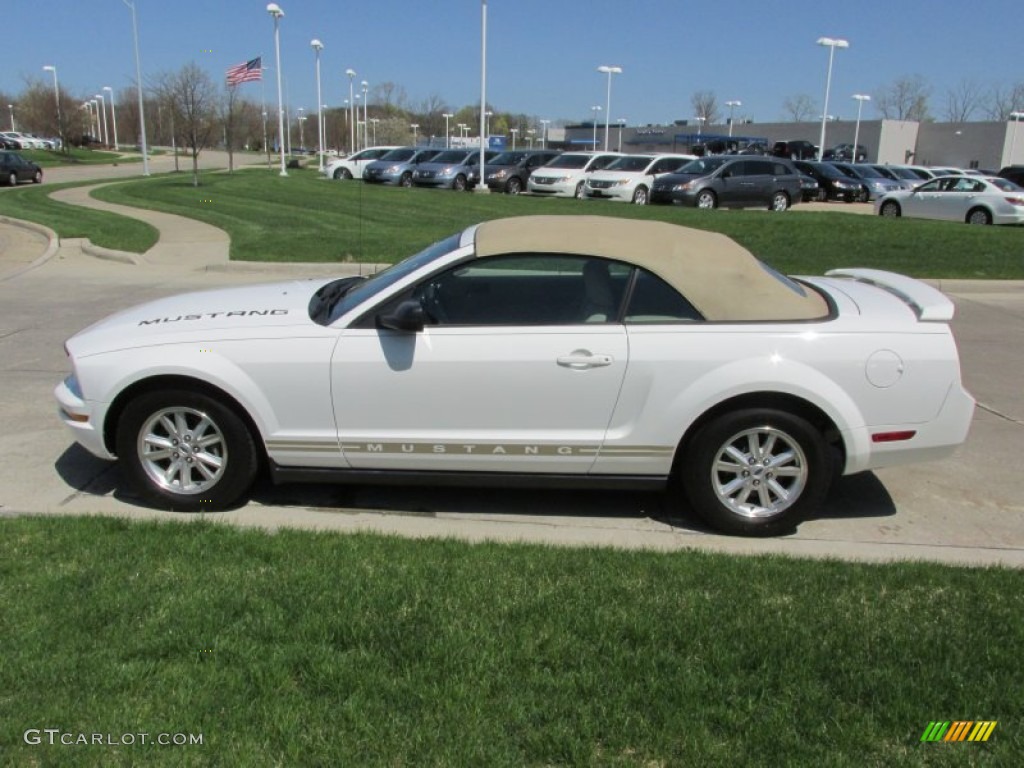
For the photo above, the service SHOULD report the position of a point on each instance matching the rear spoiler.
(929, 304)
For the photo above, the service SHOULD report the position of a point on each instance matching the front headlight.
(499, 175)
(393, 169)
(71, 382)
(622, 182)
(683, 187)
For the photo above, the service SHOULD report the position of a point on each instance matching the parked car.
(730, 181)
(351, 167)
(629, 179)
(509, 171)
(872, 182)
(15, 168)
(833, 183)
(810, 189)
(397, 166)
(795, 150)
(994, 200)
(15, 140)
(645, 347)
(844, 153)
(898, 173)
(566, 174)
(1014, 173)
(451, 168)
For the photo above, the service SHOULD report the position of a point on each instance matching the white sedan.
(630, 178)
(535, 351)
(351, 167)
(989, 200)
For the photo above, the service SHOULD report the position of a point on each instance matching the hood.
(223, 313)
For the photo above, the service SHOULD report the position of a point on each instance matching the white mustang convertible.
(535, 351)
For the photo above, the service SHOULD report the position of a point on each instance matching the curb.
(52, 246)
(109, 254)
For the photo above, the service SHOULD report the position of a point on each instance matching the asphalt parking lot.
(965, 509)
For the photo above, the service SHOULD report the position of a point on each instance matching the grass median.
(48, 158)
(302, 648)
(304, 217)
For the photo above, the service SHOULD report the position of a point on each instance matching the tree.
(962, 101)
(906, 98)
(192, 98)
(705, 104)
(1002, 100)
(800, 108)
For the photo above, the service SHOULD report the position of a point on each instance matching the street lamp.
(95, 112)
(317, 46)
(831, 44)
(374, 121)
(514, 132)
(415, 127)
(11, 107)
(56, 96)
(138, 88)
(275, 10)
(621, 121)
(301, 120)
(366, 114)
(529, 138)
(700, 125)
(608, 100)
(861, 98)
(595, 109)
(483, 90)
(544, 133)
(351, 113)
(487, 125)
(1016, 117)
(113, 113)
(732, 105)
(103, 110)
(447, 137)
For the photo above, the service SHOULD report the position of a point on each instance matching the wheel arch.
(980, 207)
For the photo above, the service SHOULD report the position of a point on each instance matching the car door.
(517, 369)
(925, 201)
(960, 197)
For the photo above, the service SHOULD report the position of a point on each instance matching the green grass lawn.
(110, 230)
(307, 218)
(301, 648)
(76, 156)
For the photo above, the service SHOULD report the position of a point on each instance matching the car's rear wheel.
(890, 209)
(12, 179)
(756, 472)
(780, 202)
(979, 216)
(460, 183)
(706, 199)
(186, 451)
(640, 196)
(514, 186)
(405, 180)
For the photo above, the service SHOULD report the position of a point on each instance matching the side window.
(736, 169)
(654, 301)
(600, 163)
(758, 168)
(525, 289)
(780, 169)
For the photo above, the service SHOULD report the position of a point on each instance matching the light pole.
(732, 105)
(95, 112)
(608, 100)
(488, 114)
(595, 109)
(544, 133)
(1016, 117)
(415, 127)
(11, 107)
(366, 114)
(103, 110)
(700, 125)
(621, 121)
(138, 87)
(275, 10)
(861, 98)
(831, 44)
(374, 121)
(351, 113)
(483, 92)
(56, 96)
(447, 136)
(302, 121)
(531, 132)
(358, 122)
(113, 113)
(317, 46)
(514, 132)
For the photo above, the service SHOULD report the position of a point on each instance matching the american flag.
(249, 72)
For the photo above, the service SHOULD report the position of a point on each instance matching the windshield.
(630, 163)
(569, 160)
(371, 286)
(703, 165)
(399, 154)
(452, 156)
(474, 158)
(904, 173)
(507, 158)
(867, 172)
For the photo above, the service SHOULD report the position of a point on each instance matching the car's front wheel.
(459, 184)
(37, 177)
(579, 195)
(12, 179)
(186, 451)
(405, 180)
(514, 186)
(890, 209)
(640, 196)
(780, 202)
(756, 472)
(706, 199)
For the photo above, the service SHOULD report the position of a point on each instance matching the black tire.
(786, 485)
(12, 179)
(706, 199)
(337, 176)
(514, 186)
(37, 177)
(978, 216)
(779, 202)
(214, 478)
(864, 195)
(890, 209)
(578, 194)
(640, 196)
(405, 180)
(459, 184)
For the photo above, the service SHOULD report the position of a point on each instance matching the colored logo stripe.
(959, 730)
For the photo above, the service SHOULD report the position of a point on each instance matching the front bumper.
(83, 420)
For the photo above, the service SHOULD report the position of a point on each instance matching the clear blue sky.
(542, 54)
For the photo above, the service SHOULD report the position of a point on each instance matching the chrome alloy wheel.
(759, 472)
(182, 450)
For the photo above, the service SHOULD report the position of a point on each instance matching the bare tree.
(193, 101)
(800, 108)
(705, 104)
(963, 100)
(1002, 100)
(906, 98)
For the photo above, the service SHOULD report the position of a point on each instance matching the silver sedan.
(989, 200)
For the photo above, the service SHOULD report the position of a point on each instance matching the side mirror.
(408, 317)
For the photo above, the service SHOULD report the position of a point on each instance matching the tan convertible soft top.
(721, 279)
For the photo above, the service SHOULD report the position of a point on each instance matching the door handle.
(582, 359)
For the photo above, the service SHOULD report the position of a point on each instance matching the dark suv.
(844, 153)
(1014, 173)
(834, 184)
(728, 181)
(509, 171)
(795, 150)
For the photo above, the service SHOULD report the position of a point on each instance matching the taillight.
(1015, 200)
